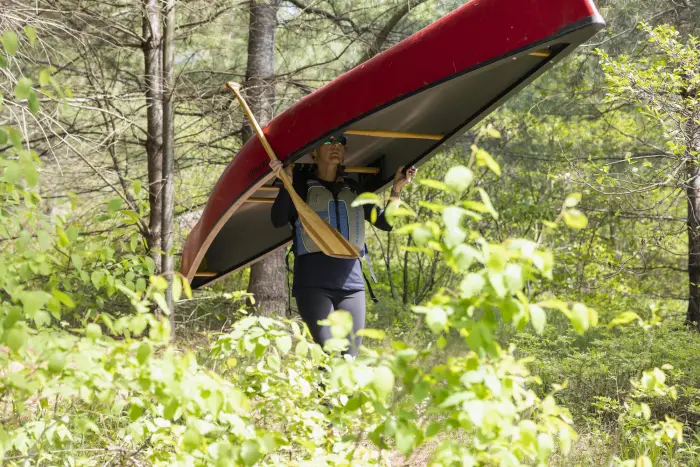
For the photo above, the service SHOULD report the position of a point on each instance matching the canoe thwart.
(394, 134)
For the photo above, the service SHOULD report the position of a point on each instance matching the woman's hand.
(277, 166)
(401, 179)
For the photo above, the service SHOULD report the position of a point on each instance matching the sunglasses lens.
(336, 139)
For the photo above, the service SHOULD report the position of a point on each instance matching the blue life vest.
(338, 212)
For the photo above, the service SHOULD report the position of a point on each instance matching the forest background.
(116, 125)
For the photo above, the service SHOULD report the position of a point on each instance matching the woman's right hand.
(277, 166)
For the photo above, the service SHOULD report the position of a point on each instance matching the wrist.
(395, 193)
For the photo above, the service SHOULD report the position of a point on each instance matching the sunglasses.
(340, 139)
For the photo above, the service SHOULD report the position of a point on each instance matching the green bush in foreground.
(110, 389)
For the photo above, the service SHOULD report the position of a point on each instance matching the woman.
(322, 283)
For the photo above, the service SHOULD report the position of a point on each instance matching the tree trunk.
(168, 198)
(154, 121)
(693, 194)
(267, 276)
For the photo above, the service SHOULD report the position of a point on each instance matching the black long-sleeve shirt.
(318, 269)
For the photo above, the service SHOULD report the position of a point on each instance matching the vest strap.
(369, 289)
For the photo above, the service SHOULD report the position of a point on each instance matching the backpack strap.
(364, 255)
(289, 285)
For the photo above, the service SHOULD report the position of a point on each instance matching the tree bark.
(168, 199)
(152, 54)
(693, 195)
(267, 276)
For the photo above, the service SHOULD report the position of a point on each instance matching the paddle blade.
(329, 240)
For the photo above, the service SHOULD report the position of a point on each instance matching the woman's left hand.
(401, 179)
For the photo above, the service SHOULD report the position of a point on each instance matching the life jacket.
(337, 211)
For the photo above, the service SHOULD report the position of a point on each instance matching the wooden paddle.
(329, 240)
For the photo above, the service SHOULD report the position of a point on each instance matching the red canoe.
(440, 81)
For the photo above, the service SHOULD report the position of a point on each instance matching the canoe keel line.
(393, 112)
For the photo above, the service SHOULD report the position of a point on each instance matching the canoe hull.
(429, 83)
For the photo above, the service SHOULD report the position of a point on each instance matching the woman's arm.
(381, 223)
(283, 211)
(400, 180)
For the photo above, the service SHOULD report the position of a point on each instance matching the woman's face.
(332, 150)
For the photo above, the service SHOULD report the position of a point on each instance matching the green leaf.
(514, 278)
(436, 319)
(44, 77)
(136, 186)
(405, 440)
(565, 440)
(421, 235)
(437, 185)
(34, 301)
(57, 362)
(13, 315)
(176, 285)
(96, 279)
(624, 318)
(143, 354)
(191, 439)
(441, 342)
(23, 88)
(487, 202)
(284, 343)
(459, 178)
(383, 382)
(572, 200)
(30, 174)
(15, 137)
(3, 137)
(580, 318)
(13, 173)
(366, 198)
(186, 286)
(93, 331)
(31, 34)
(372, 334)
(14, 338)
(44, 239)
(64, 298)
(33, 102)
(545, 446)
(250, 452)
(159, 282)
(434, 207)
(492, 132)
(471, 285)
(340, 323)
(150, 265)
(483, 158)
(160, 301)
(10, 42)
(72, 233)
(132, 215)
(170, 409)
(114, 204)
(575, 219)
(537, 317)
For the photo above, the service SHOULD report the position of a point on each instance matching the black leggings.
(316, 304)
